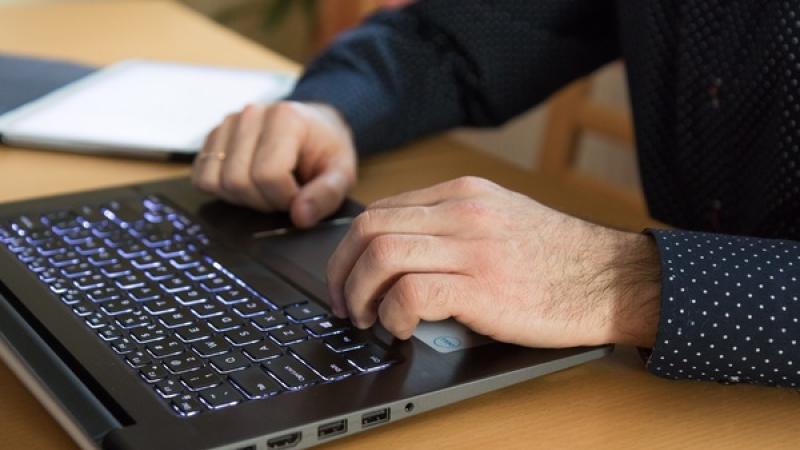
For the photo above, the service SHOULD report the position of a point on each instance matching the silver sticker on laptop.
(448, 336)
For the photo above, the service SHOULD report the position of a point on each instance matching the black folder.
(23, 79)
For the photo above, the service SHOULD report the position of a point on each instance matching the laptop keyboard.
(136, 273)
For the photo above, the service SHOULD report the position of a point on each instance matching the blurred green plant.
(277, 12)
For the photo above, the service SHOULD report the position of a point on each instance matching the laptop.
(156, 317)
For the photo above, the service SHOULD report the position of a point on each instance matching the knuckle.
(263, 175)
(381, 250)
(407, 295)
(472, 184)
(249, 118)
(328, 190)
(234, 184)
(230, 119)
(211, 137)
(284, 111)
(362, 225)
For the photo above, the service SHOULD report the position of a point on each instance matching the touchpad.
(308, 250)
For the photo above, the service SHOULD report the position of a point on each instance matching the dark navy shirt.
(716, 103)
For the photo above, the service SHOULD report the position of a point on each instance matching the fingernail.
(339, 312)
(308, 211)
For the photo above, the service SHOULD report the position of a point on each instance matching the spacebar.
(258, 277)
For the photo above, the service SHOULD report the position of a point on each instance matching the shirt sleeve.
(439, 64)
(729, 309)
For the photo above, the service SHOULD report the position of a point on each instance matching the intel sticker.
(448, 336)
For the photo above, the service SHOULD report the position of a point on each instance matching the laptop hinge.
(38, 366)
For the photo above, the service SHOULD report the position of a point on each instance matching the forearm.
(436, 65)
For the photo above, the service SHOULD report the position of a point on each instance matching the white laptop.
(138, 107)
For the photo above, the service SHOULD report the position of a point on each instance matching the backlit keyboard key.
(208, 309)
(133, 319)
(195, 332)
(255, 383)
(104, 294)
(221, 396)
(192, 297)
(175, 284)
(138, 358)
(326, 327)
(306, 312)
(252, 308)
(288, 334)
(175, 319)
(148, 334)
(233, 296)
(329, 364)
(145, 293)
(217, 284)
(243, 336)
(269, 321)
(187, 405)
(225, 322)
(200, 379)
(182, 363)
(229, 362)
(369, 358)
(153, 373)
(165, 348)
(262, 350)
(291, 372)
(211, 347)
(344, 342)
(168, 388)
(161, 306)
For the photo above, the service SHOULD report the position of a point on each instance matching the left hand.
(502, 264)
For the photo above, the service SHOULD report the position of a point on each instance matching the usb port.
(374, 418)
(285, 441)
(332, 429)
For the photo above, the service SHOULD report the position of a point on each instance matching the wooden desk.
(612, 403)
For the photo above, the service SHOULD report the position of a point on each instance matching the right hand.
(290, 156)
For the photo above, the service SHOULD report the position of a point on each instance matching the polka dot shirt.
(730, 309)
(715, 90)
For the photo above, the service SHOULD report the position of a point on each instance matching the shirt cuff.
(729, 309)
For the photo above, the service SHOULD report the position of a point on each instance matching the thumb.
(321, 196)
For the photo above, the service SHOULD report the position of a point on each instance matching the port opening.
(332, 429)
(285, 441)
(375, 417)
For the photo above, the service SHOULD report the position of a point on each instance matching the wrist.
(634, 289)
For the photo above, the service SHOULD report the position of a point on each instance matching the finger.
(322, 195)
(423, 296)
(209, 168)
(276, 156)
(368, 225)
(391, 256)
(200, 158)
(235, 173)
(459, 188)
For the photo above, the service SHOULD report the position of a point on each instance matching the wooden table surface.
(611, 403)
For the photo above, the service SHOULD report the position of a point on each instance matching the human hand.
(251, 159)
(500, 263)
